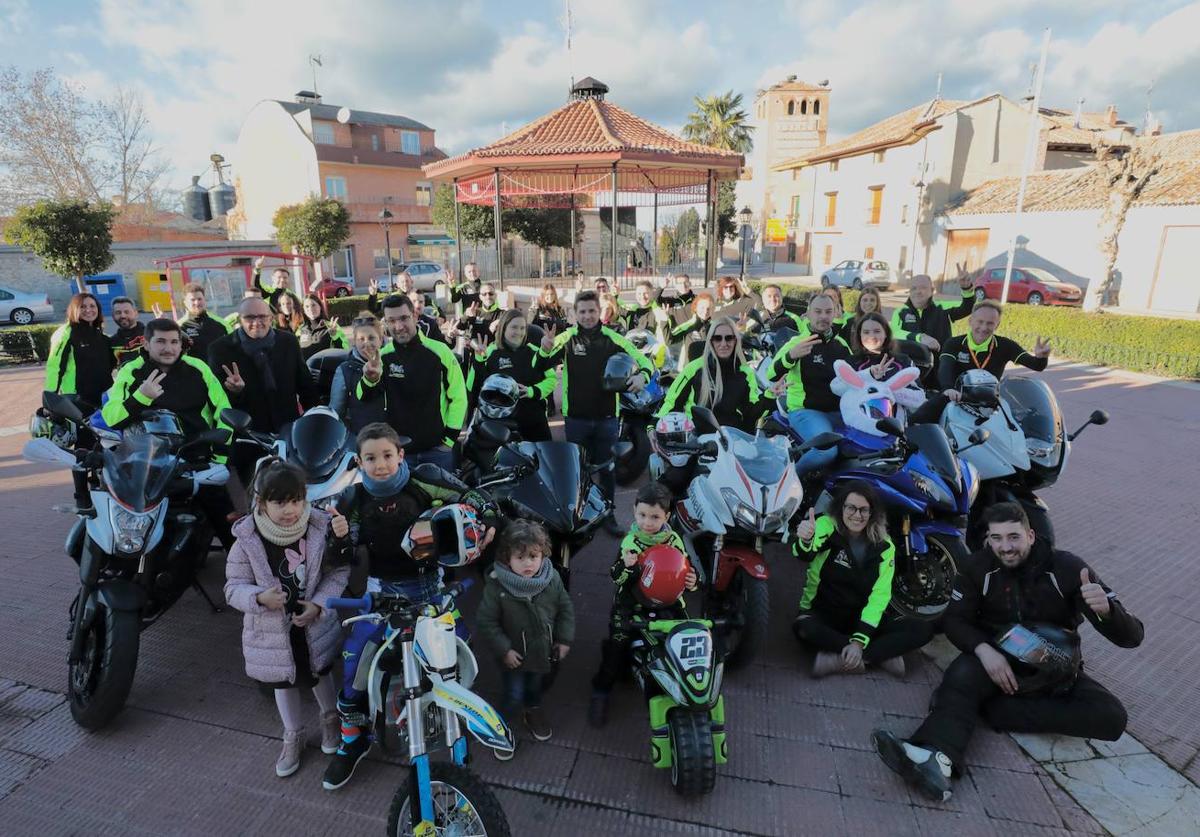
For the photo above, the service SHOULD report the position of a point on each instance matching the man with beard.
(1014, 580)
(129, 337)
(200, 329)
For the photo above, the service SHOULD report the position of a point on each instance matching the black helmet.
(1043, 657)
(918, 353)
(617, 372)
(161, 423)
(978, 388)
(316, 441)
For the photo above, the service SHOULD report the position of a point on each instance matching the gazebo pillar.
(457, 235)
(499, 231)
(654, 240)
(616, 280)
(710, 232)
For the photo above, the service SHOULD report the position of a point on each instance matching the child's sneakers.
(505, 755)
(341, 766)
(331, 732)
(289, 757)
(598, 710)
(536, 723)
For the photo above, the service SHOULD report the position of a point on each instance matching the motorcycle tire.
(98, 685)
(750, 597)
(922, 589)
(628, 470)
(456, 791)
(693, 759)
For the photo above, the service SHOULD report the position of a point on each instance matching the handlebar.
(370, 602)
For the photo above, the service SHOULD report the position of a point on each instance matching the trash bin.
(154, 287)
(106, 287)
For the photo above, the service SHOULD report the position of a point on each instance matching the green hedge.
(14, 341)
(345, 307)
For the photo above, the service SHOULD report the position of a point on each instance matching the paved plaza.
(194, 751)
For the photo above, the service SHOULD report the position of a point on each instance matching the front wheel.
(693, 758)
(921, 590)
(1034, 298)
(462, 804)
(980, 294)
(99, 683)
(749, 598)
(857, 284)
(21, 316)
(341, 292)
(630, 468)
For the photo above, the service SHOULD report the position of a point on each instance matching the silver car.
(21, 308)
(425, 275)
(858, 274)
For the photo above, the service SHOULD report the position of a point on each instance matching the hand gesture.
(1041, 348)
(488, 537)
(479, 345)
(156, 309)
(373, 369)
(807, 527)
(259, 262)
(334, 323)
(152, 386)
(512, 660)
(310, 614)
(997, 668)
(804, 347)
(373, 287)
(691, 580)
(273, 599)
(560, 651)
(233, 378)
(964, 276)
(931, 342)
(1093, 594)
(779, 387)
(629, 558)
(637, 382)
(851, 656)
(338, 523)
(548, 337)
(880, 369)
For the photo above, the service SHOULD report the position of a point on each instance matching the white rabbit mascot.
(864, 400)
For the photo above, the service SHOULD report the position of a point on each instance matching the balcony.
(364, 209)
(369, 157)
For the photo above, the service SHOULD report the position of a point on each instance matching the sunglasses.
(363, 321)
(724, 338)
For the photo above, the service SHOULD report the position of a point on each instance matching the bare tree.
(132, 167)
(1124, 177)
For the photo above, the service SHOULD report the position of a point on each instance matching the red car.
(330, 288)
(1029, 284)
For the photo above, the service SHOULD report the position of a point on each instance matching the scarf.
(392, 485)
(259, 350)
(281, 535)
(519, 585)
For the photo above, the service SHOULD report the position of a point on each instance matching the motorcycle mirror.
(43, 450)
(979, 436)
(1098, 417)
(62, 405)
(887, 425)
(704, 420)
(237, 419)
(622, 449)
(772, 427)
(494, 433)
(215, 436)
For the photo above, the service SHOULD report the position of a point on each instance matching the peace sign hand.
(233, 379)
(804, 347)
(807, 527)
(1041, 348)
(880, 369)
(151, 388)
(373, 369)
(548, 337)
(964, 276)
(373, 287)
(156, 309)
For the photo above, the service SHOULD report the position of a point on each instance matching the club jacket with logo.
(190, 390)
(809, 378)
(583, 355)
(202, 331)
(961, 353)
(935, 319)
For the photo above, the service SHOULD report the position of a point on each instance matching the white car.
(21, 308)
(425, 275)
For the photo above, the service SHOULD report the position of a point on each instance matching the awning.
(431, 239)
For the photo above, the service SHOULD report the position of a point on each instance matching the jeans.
(522, 689)
(441, 456)
(809, 423)
(596, 437)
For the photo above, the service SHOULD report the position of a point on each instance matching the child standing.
(651, 507)
(280, 570)
(527, 619)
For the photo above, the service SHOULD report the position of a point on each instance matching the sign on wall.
(776, 233)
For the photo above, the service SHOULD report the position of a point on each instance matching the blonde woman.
(721, 380)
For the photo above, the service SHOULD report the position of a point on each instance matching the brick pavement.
(193, 753)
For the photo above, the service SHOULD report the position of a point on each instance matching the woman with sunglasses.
(842, 614)
(318, 331)
(511, 354)
(721, 380)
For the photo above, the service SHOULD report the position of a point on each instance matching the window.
(410, 142)
(381, 259)
(804, 106)
(833, 165)
(343, 263)
(323, 133)
(794, 211)
(830, 209)
(876, 205)
(817, 108)
(335, 187)
(828, 253)
(5, 295)
(903, 257)
(904, 214)
(791, 108)
(424, 194)
(374, 142)
(878, 156)
(869, 253)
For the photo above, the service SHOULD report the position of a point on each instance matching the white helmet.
(451, 535)
(498, 397)
(671, 431)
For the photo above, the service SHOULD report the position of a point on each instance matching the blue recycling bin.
(106, 287)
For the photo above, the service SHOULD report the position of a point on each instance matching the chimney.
(1110, 115)
(307, 97)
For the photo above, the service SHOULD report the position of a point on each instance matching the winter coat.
(265, 641)
(532, 626)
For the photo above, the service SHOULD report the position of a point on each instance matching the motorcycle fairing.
(482, 720)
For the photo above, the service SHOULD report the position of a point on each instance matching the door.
(1176, 285)
(969, 246)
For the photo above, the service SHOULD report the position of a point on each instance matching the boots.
(289, 757)
(331, 732)
(929, 771)
(536, 723)
(356, 741)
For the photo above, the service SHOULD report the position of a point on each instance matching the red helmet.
(664, 574)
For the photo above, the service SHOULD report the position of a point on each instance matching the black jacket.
(127, 343)
(544, 318)
(988, 598)
(201, 332)
(190, 391)
(935, 319)
(295, 389)
(423, 391)
(958, 356)
(583, 355)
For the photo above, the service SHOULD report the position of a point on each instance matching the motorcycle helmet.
(920, 355)
(60, 433)
(640, 338)
(450, 535)
(316, 442)
(672, 431)
(664, 576)
(498, 397)
(1043, 657)
(979, 388)
(617, 372)
(161, 423)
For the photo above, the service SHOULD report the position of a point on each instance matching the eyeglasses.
(487, 294)
(856, 511)
(724, 338)
(256, 318)
(364, 321)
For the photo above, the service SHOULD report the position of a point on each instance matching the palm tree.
(719, 121)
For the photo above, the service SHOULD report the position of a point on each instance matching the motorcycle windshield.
(931, 440)
(763, 459)
(553, 490)
(1034, 407)
(138, 471)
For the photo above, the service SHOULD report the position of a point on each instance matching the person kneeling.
(1015, 594)
(849, 586)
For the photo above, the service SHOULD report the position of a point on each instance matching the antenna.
(1149, 118)
(315, 61)
(568, 22)
(1079, 112)
(219, 165)
(1033, 71)
(937, 97)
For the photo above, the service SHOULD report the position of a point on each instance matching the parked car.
(554, 269)
(425, 275)
(858, 274)
(1031, 285)
(331, 287)
(21, 308)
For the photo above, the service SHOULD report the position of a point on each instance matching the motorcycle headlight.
(972, 477)
(742, 513)
(932, 490)
(780, 516)
(130, 528)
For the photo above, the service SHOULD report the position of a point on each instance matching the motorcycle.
(745, 495)
(1026, 449)
(637, 411)
(138, 544)
(419, 682)
(678, 670)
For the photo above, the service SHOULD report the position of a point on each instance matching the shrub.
(15, 341)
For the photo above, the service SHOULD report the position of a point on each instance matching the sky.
(475, 70)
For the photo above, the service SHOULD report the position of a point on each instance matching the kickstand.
(204, 593)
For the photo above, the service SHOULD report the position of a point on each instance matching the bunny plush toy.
(864, 400)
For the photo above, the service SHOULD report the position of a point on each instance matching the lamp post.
(745, 215)
(385, 221)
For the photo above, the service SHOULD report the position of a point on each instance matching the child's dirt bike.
(678, 669)
(419, 687)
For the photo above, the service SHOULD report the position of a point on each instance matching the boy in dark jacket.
(527, 620)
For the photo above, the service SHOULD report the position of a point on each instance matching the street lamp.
(385, 221)
(745, 215)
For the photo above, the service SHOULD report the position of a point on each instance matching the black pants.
(214, 500)
(894, 636)
(1088, 710)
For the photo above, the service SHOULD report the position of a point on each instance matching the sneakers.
(331, 732)
(505, 755)
(341, 766)
(613, 527)
(536, 723)
(598, 710)
(930, 774)
(289, 757)
(826, 663)
(894, 666)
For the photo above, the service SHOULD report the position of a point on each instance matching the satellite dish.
(343, 115)
(823, 82)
